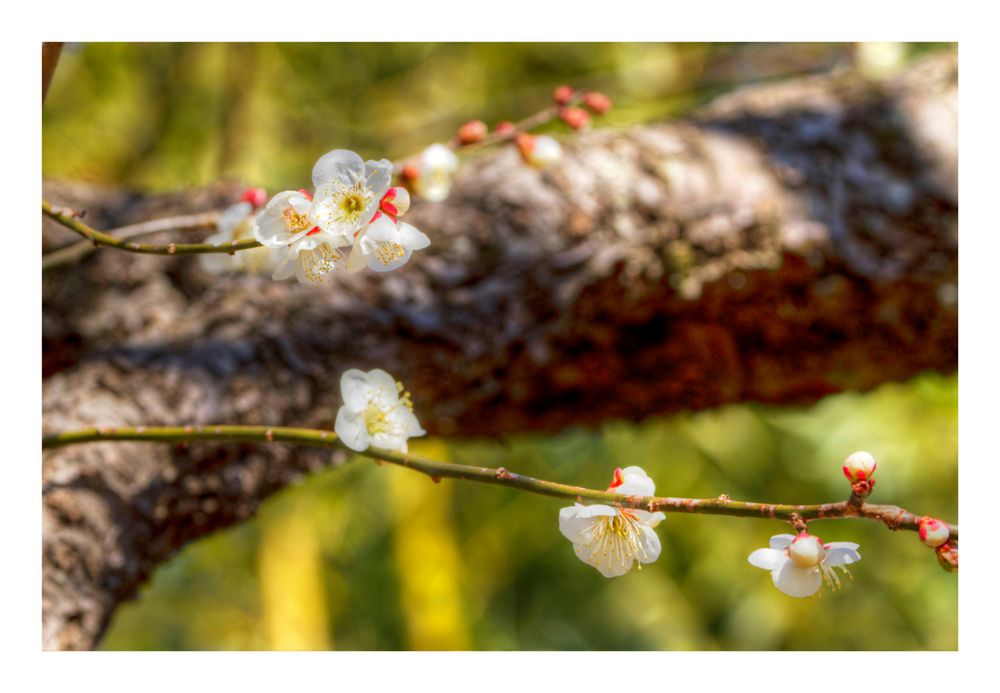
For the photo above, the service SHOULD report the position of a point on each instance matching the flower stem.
(70, 220)
(892, 516)
(185, 222)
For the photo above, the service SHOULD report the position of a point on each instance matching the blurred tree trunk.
(787, 242)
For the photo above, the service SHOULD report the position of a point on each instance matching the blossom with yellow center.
(348, 192)
(376, 412)
(613, 539)
(289, 224)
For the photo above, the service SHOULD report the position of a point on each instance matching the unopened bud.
(806, 551)
(947, 555)
(398, 199)
(504, 128)
(933, 532)
(409, 173)
(576, 118)
(563, 94)
(597, 102)
(859, 466)
(257, 197)
(472, 132)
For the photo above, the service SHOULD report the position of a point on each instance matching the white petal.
(649, 519)
(439, 157)
(358, 259)
(636, 483)
(383, 388)
(350, 428)
(795, 581)
(354, 389)
(841, 553)
(781, 541)
(232, 217)
(768, 559)
(576, 519)
(606, 564)
(269, 226)
(379, 177)
(650, 545)
(339, 165)
(389, 441)
(410, 237)
(285, 267)
(382, 229)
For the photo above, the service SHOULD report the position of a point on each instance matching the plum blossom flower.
(376, 412)
(289, 222)
(538, 150)
(386, 244)
(435, 168)
(348, 192)
(236, 224)
(800, 564)
(612, 538)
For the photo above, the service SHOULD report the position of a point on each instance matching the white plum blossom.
(386, 245)
(546, 151)
(435, 168)
(612, 538)
(309, 252)
(377, 412)
(348, 192)
(800, 564)
(236, 224)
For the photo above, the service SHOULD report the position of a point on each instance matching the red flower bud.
(410, 172)
(504, 128)
(563, 94)
(525, 144)
(472, 132)
(257, 197)
(947, 556)
(933, 532)
(576, 118)
(597, 102)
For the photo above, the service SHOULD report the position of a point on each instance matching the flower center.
(346, 204)
(320, 261)
(295, 222)
(387, 252)
(617, 538)
(377, 416)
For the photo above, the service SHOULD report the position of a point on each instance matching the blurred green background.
(367, 557)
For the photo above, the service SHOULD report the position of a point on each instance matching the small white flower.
(546, 151)
(288, 223)
(236, 224)
(612, 539)
(376, 412)
(348, 192)
(435, 168)
(800, 564)
(385, 245)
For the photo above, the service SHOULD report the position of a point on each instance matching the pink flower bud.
(504, 128)
(563, 94)
(933, 532)
(859, 466)
(409, 173)
(472, 132)
(597, 102)
(576, 118)
(806, 551)
(525, 144)
(947, 556)
(257, 197)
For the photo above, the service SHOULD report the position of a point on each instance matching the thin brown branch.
(891, 516)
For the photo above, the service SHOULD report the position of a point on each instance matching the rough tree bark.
(787, 242)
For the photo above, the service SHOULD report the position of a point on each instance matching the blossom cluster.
(351, 221)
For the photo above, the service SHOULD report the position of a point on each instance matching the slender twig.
(892, 516)
(50, 58)
(185, 222)
(70, 219)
